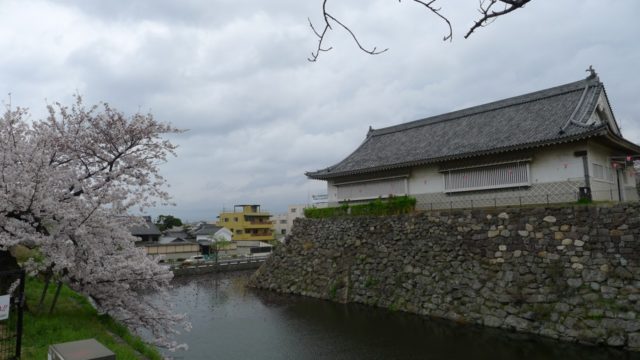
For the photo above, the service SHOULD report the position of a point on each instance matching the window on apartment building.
(283, 221)
(226, 219)
(283, 231)
(238, 231)
(235, 219)
(293, 210)
(487, 177)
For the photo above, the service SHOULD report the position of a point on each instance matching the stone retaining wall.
(571, 273)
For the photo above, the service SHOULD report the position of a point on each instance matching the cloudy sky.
(235, 74)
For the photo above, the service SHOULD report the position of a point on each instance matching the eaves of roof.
(599, 131)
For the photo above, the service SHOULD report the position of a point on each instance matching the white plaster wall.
(332, 192)
(223, 233)
(557, 163)
(549, 165)
(602, 189)
(425, 180)
(629, 185)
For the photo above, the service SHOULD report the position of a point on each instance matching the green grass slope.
(74, 319)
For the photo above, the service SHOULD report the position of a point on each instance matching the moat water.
(231, 321)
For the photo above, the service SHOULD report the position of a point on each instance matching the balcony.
(253, 237)
(258, 225)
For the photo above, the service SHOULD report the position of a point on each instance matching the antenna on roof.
(592, 72)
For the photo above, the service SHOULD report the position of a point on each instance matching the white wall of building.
(279, 222)
(223, 233)
(605, 187)
(426, 179)
(558, 163)
(603, 177)
(549, 166)
(283, 223)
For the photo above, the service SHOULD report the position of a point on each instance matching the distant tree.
(219, 243)
(165, 222)
(488, 10)
(67, 183)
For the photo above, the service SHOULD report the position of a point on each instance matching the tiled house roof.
(149, 228)
(555, 115)
(208, 229)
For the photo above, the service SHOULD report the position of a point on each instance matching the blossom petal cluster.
(67, 186)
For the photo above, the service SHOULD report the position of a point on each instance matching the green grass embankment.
(74, 319)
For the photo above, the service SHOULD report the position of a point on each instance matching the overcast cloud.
(234, 72)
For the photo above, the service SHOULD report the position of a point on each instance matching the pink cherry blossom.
(67, 186)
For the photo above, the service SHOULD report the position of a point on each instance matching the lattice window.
(372, 189)
(487, 177)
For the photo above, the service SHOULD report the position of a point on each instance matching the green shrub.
(391, 206)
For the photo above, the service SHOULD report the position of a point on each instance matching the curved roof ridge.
(534, 144)
(503, 125)
(488, 107)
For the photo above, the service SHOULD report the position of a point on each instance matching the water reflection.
(231, 321)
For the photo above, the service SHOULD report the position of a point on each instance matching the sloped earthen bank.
(571, 273)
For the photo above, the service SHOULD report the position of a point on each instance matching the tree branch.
(488, 16)
(327, 26)
(437, 12)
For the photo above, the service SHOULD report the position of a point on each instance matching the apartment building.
(247, 223)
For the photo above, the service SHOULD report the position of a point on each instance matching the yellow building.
(247, 223)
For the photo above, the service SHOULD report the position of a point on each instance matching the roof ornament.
(370, 130)
(575, 117)
(592, 71)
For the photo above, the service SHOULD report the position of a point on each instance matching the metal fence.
(12, 284)
(480, 201)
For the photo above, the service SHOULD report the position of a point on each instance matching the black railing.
(12, 285)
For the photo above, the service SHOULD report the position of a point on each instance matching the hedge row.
(390, 206)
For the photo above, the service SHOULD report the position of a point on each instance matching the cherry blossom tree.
(67, 184)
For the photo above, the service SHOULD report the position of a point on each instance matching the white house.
(210, 232)
(541, 147)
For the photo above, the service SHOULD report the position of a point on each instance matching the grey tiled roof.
(554, 115)
(208, 229)
(148, 229)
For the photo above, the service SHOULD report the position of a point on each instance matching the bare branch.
(437, 12)
(488, 15)
(320, 36)
(327, 27)
(371, 52)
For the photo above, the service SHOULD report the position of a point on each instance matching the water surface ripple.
(231, 321)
